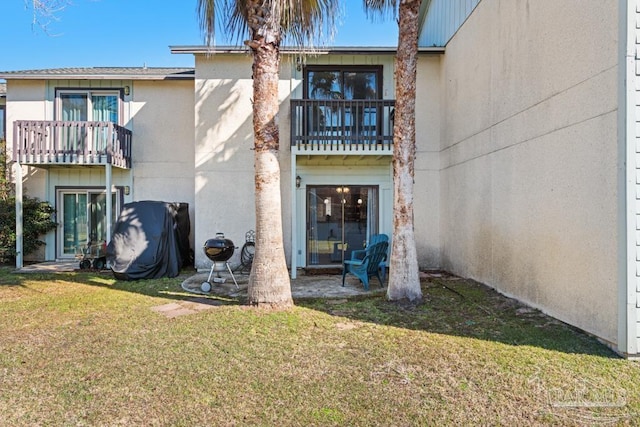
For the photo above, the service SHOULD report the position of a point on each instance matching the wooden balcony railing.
(71, 143)
(342, 126)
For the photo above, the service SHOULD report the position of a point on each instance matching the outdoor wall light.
(298, 181)
(127, 90)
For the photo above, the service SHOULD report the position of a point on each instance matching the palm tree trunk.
(404, 278)
(269, 283)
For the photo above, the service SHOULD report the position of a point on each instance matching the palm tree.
(404, 278)
(267, 23)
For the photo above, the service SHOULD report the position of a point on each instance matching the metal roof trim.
(102, 73)
(350, 50)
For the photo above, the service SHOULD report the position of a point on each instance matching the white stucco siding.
(25, 102)
(529, 182)
(160, 115)
(427, 162)
(224, 177)
(224, 173)
(163, 135)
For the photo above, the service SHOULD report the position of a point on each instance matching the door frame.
(338, 229)
(319, 175)
(60, 191)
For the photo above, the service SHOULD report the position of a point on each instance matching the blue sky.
(134, 33)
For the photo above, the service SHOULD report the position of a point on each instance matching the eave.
(335, 50)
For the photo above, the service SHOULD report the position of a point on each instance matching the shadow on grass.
(465, 308)
(166, 288)
(451, 306)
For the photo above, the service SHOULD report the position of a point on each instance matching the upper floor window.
(85, 105)
(336, 82)
(2, 122)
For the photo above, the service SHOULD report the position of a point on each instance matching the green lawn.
(85, 349)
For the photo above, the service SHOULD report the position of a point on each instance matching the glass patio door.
(75, 222)
(84, 220)
(83, 106)
(333, 88)
(339, 219)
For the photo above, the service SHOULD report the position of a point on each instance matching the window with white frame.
(88, 105)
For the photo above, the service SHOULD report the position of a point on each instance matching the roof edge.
(288, 50)
(109, 73)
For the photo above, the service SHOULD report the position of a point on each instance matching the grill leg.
(232, 276)
(211, 272)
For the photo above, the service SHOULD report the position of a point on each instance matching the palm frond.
(302, 23)
(309, 22)
(380, 8)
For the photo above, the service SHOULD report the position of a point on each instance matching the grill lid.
(219, 249)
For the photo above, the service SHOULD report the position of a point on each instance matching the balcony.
(362, 127)
(48, 143)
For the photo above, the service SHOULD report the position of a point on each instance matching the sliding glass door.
(82, 106)
(333, 88)
(84, 219)
(339, 220)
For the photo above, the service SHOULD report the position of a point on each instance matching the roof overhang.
(337, 50)
(98, 73)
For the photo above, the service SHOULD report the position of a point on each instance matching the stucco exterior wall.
(427, 162)
(224, 157)
(25, 102)
(163, 135)
(224, 141)
(160, 114)
(529, 157)
(224, 172)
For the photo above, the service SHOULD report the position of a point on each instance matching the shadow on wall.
(224, 140)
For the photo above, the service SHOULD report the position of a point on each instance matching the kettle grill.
(219, 250)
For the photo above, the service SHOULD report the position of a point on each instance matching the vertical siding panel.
(443, 19)
(634, 115)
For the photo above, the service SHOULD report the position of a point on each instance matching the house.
(526, 164)
(76, 132)
(537, 146)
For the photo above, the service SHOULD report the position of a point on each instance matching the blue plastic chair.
(360, 253)
(369, 266)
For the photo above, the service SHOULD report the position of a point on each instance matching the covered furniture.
(150, 240)
(368, 266)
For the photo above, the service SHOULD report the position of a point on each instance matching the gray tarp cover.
(146, 241)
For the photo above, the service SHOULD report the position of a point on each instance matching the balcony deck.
(342, 127)
(50, 142)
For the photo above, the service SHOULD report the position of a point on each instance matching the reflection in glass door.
(84, 219)
(339, 219)
(74, 226)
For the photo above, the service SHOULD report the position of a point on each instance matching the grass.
(85, 349)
